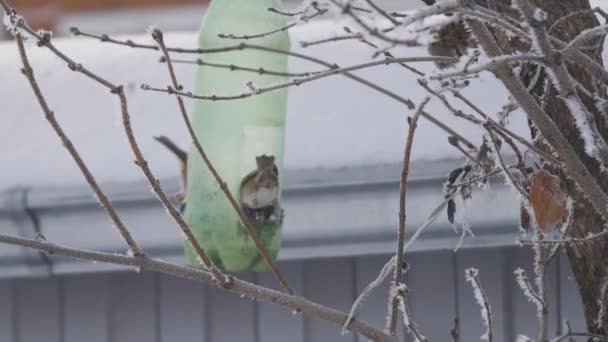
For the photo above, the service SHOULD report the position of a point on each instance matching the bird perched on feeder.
(182, 156)
(260, 191)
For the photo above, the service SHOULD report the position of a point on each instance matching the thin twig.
(140, 160)
(233, 67)
(67, 143)
(392, 317)
(242, 46)
(157, 35)
(297, 81)
(503, 166)
(409, 323)
(258, 35)
(382, 12)
(472, 276)
(506, 131)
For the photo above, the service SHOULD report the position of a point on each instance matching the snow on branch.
(472, 276)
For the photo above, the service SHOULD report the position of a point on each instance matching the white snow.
(332, 123)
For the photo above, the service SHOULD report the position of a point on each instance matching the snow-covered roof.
(344, 146)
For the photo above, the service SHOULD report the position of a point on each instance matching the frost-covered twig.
(412, 327)
(472, 276)
(392, 317)
(537, 298)
(506, 131)
(374, 31)
(526, 287)
(565, 18)
(586, 35)
(491, 65)
(392, 262)
(569, 334)
(571, 240)
(503, 166)
(446, 103)
(354, 311)
(157, 35)
(601, 301)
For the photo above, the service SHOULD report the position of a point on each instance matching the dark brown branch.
(157, 35)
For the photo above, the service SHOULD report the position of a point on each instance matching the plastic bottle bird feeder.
(243, 138)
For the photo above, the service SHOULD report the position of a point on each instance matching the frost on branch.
(526, 286)
(601, 314)
(472, 277)
(12, 22)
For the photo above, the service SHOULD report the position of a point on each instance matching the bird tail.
(170, 145)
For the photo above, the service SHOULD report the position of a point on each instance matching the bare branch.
(67, 143)
(573, 165)
(298, 81)
(256, 292)
(258, 35)
(392, 317)
(157, 35)
(382, 12)
(233, 67)
(140, 160)
(412, 327)
(506, 131)
(408, 103)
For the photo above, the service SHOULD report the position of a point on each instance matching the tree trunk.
(588, 260)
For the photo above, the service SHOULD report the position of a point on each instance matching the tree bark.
(588, 260)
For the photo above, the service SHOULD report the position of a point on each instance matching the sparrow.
(260, 190)
(182, 156)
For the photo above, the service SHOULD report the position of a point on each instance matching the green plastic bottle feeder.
(235, 132)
